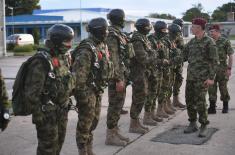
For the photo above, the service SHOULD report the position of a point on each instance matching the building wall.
(230, 27)
(129, 27)
(227, 26)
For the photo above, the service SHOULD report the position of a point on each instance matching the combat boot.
(121, 136)
(123, 112)
(203, 131)
(161, 112)
(211, 109)
(143, 127)
(177, 103)
(167, 109)
(90, 149)
(112, 138)
(225, 107)
(155, 117)
(148, 119)
(82, 149)
(135, 127)
(191, 128)
(170, 105)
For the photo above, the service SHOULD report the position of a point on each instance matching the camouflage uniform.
(178, 70)
(140, 72)
(48, 92)
(221, 79)
(202, 58)
(117, 45)
(3, 94)
(173, 59)
(161, 43)
(176, 67)
(92, 69)
(4, 103)
(155, 78)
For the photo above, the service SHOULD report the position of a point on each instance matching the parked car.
(20, 39)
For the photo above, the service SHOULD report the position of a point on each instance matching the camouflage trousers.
(195, 95)
(221, 80)
(172, 76)
(116, 102)
(51, 133)
(139, 94)
(166, 85)
(178, 79)
(89, 107)
(154, 84)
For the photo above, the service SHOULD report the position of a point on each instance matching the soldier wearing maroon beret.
(223, 72)
(201, 54)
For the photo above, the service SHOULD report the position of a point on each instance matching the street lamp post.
(12, 14)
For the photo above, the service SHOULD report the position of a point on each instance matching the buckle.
(43, 108)
(51, 75)
(97, 65)
(50, 102)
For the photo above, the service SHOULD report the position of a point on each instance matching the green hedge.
(24, 48)
(10, 47)
(232, 37)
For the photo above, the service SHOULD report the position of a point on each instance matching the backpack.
(20, 105)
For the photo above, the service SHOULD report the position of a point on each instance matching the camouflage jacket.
(92, 66)
(3, 93)
(162, 45)
(202, 57)
(44, 84)
(144, 54)
(121, 51)
(176, 53)
(224, 49)
(179, 41)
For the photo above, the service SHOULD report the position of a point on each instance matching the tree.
(21, 6)
(161, 16)
(220, 14)
(195, 11)
(36, 35)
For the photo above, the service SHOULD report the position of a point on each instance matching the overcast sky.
(136, 7)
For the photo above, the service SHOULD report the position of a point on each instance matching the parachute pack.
(20, 105)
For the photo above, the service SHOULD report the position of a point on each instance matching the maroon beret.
(214, 27)
(199, 21)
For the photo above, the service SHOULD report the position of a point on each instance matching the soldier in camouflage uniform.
(4, 104)
(223, 71)
(158, 46)
(178, 77)
(162, 43)
(175, 54)
(174, 57)
(119, 49)
(144, 58)
(155, 79)
(93, 70)
(201, 54)
(48, 87)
